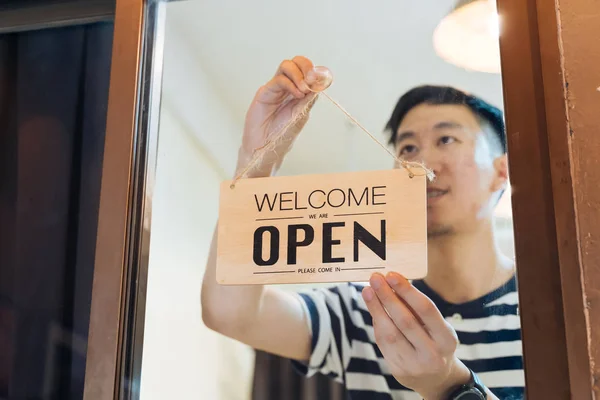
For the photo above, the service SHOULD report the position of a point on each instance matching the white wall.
(198, 140)
(199, 104)
(182, 359)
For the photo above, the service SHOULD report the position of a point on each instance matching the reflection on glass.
(53, 100)
(236, 342)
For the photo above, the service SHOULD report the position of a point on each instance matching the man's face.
(468, 169)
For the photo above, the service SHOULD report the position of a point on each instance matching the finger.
(304, 64)
(400, 314)
(293, 71)
(421, 306)
(386, 332)
(282, 83)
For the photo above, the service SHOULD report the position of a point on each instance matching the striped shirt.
(344, 348)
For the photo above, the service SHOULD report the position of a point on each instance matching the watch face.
(470, 394)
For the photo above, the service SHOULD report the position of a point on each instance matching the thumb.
(271, 155)
(302, 110)
(287, 140)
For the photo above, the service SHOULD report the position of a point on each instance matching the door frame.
(17, 16)
(552, 307)
(547, 246)
(115, 338)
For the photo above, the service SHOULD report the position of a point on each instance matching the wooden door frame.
(115, 338)
(551, 291)
(104, 339)
(547, 246)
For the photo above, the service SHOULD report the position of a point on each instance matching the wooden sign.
(322, 228)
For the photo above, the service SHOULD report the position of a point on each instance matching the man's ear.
(500, 180)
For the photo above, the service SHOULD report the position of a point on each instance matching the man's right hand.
(273, 107)
(265, 318)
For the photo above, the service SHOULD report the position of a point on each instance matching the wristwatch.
(473, 390)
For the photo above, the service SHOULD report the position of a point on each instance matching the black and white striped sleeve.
(329, 313)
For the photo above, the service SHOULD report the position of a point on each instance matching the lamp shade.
(468, 36)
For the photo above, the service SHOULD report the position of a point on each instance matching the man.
(394, 339)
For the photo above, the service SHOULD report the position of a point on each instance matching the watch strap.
(478, 384)
(473, 388)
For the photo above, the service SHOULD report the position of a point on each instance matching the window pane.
(53, 101)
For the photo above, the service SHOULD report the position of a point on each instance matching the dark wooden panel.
(538, 268)
(563, 183)
(579, 30)
(556, 188)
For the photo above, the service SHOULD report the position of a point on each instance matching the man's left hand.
(418, 344)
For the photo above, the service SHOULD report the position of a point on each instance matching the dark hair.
(439, 95)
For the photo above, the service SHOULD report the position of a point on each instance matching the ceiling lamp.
(468, 36)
